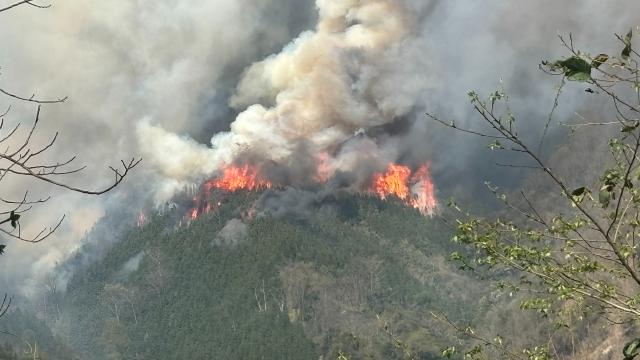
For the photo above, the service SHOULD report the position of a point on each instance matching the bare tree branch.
(24, 2)
(32, 98)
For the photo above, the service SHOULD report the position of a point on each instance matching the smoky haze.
(192, 86)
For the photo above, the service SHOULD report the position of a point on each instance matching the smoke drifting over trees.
(210, 82)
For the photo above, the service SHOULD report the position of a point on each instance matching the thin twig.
(24, 2)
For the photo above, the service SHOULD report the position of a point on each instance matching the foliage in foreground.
(581, 258)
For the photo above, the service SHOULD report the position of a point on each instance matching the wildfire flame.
(243, 177)
(233, 178)
(194, 213)
(414, 188)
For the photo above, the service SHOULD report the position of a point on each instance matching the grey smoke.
(121, 62)
(297, 204)
(233, 232)
(180, 70)
(130, 266)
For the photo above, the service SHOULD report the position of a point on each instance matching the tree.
(581, 256)
(21, 158)
(24, 2)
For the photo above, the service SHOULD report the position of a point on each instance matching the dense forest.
(345, 280)
(359, 277)
(348, 279)
(322, 179)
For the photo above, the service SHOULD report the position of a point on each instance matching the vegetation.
(21, 161)
(366, 279)
(28, 337)
(338, 282)
(575, 257)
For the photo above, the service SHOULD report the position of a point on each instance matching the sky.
(192, 85)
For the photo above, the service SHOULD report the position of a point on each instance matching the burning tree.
(581, 256)
(416, 189)
(413, 188)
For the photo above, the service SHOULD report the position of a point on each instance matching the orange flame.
(415, 189)
(394, 182)
(194, 213)
(234, 178)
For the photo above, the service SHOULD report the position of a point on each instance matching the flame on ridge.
(416, 189)
(233, 178)
(243, 177)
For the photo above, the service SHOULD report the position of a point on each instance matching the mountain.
(25, 336)
(356, 277)
(229, 285)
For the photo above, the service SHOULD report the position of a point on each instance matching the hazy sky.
(161, 78)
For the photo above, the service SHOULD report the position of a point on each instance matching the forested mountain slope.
(350, 275)
(233, 284)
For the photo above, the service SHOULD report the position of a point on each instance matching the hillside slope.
(233, 286)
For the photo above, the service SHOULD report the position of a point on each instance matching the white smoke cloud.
(321, 89)
(143, 76)
(130, 266)
(121, 62)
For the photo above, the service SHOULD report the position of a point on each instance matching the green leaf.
(627, 38)
(579, 191)
(631, 349)
(599, 60)
(448, 352)
(626, 52)
(604, 197)
(578, 194)
(575, 68)
(630, 128)
(496, 145)
(14, 219)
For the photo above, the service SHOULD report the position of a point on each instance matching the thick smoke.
(121, 62)
(288, 84)
(312, 98)
(350, 95)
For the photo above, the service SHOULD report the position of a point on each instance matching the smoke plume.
(318, 97)
(300, 88)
